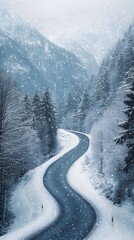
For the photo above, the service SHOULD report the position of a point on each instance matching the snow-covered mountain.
(85, 54)
(34, 61)
(114, 67)
(88, 43)
(96, 38)
(103, 87)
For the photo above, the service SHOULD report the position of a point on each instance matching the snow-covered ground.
(30, 196)
(33, 206)
(122, 227)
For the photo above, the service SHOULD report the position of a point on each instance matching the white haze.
(63, 20)
(46, 10)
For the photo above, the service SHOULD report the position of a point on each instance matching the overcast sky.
(50, 9)
(54, 16)
(78, 13)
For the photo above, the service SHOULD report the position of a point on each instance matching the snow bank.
(108, 161)
(30, 195)
(122, 227)
(33, 206)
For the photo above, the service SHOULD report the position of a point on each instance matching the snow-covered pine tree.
(28, 114)
(82, 111)
(49, 118)
(8, 145)
(102, 88)
(44, 120)
(128, 54)
(19, 140)
(69, 106)
(36, 109)
(128, 134)
(19, 145)
(73, 99)
(44, 127)
(27, 106)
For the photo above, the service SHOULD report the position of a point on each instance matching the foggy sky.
(52, 16)
(50, 9)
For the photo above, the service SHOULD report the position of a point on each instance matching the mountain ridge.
(42, 63)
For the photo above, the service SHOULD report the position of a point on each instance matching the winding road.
(77, 217)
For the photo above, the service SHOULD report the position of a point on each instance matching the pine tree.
(28, 115)
(102, 88)
(82, 111)
(36, 109)
(18, 142)
(44, 120)
(69, 106)
(49, 116)
(44, 127)
(127, 136)
(27, 105)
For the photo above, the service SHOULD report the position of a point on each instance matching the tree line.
(113, 132)
(106, 108)
(28, 131)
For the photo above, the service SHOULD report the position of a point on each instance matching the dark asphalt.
(77, 216)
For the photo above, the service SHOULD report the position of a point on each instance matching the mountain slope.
(84, 53)
(102, 88)
(114, 67)
(34, 61)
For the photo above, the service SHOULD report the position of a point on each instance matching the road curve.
(77, 217)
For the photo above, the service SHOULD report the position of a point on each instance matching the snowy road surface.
(30, 194)
(77, 217)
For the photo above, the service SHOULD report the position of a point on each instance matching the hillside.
(34, 61)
